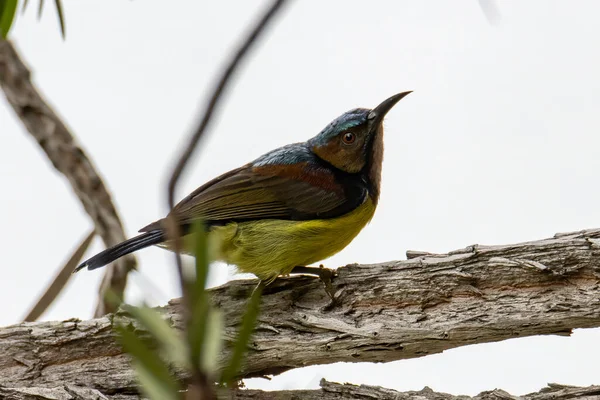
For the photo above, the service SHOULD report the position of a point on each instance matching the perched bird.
(293, 206)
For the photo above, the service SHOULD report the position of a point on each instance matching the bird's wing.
(298, 191)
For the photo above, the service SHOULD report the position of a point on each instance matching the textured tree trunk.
(383, 312)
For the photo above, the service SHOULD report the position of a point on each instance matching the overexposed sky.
(498, 143)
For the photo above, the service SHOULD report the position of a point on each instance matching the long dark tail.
(129, 246)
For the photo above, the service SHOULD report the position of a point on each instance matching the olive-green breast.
(271, 247)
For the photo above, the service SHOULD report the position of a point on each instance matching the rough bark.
(328, 391)
(384, 312)
(68, 157)
(336, 391)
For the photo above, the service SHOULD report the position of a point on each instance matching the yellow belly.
(269, 248)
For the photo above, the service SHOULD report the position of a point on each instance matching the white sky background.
(498, 143)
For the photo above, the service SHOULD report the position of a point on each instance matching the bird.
(289, 208)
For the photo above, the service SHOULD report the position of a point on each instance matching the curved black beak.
(377, 114)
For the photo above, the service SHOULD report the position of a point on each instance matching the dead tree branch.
(385, 312)
(68, 157)
(336, 391)
(328, 391)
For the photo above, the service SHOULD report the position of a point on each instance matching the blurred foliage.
(157, 349)
(241, 344)
(8, 11)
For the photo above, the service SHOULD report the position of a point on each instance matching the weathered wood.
(63, 392)
(68, 157)
(384, 312)
(328, 391)
(336, 391)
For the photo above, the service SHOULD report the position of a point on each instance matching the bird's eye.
(348, 137)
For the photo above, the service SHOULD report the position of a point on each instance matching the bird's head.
(347, 142)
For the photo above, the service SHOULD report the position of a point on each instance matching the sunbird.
(291, 207)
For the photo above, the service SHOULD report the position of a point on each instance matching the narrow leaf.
(246, 328)
(24, 5)
(196, 329)
(168, 338)
(202, 259)
(111, 298)
(60, 280)
(199, 301)
(212, 341)
(8, 9)
(40, 9)
(61, 17)
(152, 371)
(153, 388)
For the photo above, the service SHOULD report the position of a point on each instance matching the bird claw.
(326, 275)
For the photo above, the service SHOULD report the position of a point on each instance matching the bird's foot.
(325, 275)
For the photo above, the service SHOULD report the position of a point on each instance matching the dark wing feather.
(299, 191)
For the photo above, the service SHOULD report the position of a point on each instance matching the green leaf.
(112, 298)
(199, 302)
(246, 328)
(168, 338)
(202, 260)
(197, 328)
(8, 9)
(212, 341)
(61, 17)
(153, 373)
(59, 11)
(151, 386)
(60, 280)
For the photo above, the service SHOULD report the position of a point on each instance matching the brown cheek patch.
(301, 172)
(349, 161)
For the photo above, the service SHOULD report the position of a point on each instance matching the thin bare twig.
(217, 93)
(60, 280)
(68, 157)
(490, 11)
(173, 229)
